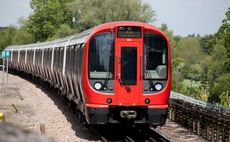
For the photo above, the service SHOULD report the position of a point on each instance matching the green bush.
(217, 90)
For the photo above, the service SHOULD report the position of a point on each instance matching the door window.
(129, 65)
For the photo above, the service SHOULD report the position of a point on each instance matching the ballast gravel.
(40, 106)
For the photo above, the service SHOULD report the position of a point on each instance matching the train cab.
(128, 74)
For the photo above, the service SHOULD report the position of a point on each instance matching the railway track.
(120, 133)
(128, 133)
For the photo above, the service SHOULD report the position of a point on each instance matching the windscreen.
(155, 57)
(101, 56)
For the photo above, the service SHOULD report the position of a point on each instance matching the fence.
(197, 102)
(206, 122)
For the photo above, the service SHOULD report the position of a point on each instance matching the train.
(117, 72)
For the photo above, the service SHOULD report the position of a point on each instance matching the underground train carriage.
(117, 72)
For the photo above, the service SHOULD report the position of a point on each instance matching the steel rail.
(147, 133)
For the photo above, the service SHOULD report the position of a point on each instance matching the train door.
(128, 69)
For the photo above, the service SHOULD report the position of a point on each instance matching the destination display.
(128, 32)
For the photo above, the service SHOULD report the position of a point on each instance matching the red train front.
(126, 74)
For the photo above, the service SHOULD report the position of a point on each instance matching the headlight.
(97, 85)
(158, 86)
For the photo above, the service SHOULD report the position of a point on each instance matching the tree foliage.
(64, 31)
(189, 49)
(203, 42)
(22, 36)
(224, 77)
(177, 39)
(163, 27)
(204, 94)
(223, 37)
(206, 61)
(218, 58)
(225, 100)
(217, 90)
(3, 28)
(47, 18)
(195, 72)
(16, 35)
(176, 62)
(181, 87)
(7, 36)
(90, 13)
(169, 35)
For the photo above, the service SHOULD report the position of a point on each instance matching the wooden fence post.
(218, 132)
(213, 130)
(209, 123)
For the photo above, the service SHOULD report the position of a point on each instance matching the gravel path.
(39, 106)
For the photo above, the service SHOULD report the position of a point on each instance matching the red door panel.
(128, 80)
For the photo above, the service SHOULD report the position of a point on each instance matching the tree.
(193, 35)
(22, 36)
(203, 95)
(225, 100)
(206, 61)
(64, 31)
(218, 53)
(90, 13)
(177, 39)
(47, 18)
(204, 77)
(222, 37)
(217, 90)
(163, 27)
(189, 49)
(211, 80)
(14, 36)
(181, 87)
(2, 28)
(169, 35)
(218, 59)
(176, 62)
(203, 43)
(225, 77)
(6, 36)
(185, 71)
(195, 72)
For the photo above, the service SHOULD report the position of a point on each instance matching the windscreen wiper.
(123, 82)
(107, 78)
(150, 77)
(110, 63)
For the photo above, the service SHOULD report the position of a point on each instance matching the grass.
(187, 82)
(23, 126)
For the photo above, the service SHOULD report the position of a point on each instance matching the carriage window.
(101, 56)
(155, 57)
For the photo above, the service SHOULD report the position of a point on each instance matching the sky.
(184, 17)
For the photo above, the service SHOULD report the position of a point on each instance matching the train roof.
(78, 38)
